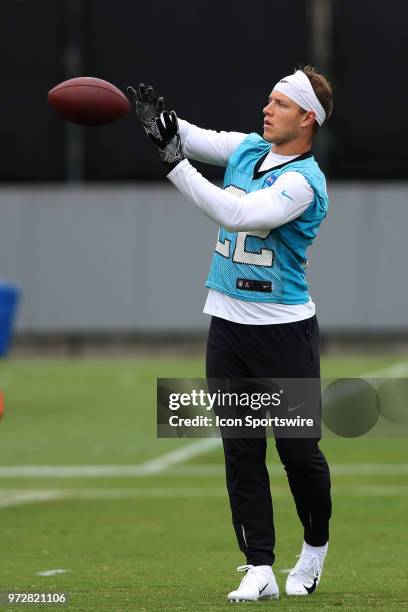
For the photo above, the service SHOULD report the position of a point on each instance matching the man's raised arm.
(207, 146)
(264, 209)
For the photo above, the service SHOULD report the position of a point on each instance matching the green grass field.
(160, 537)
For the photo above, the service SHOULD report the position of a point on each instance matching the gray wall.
(359, 261)
(119, 258)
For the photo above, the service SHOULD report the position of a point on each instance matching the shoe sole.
(253, 600)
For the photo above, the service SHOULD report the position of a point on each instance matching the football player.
(263, 321)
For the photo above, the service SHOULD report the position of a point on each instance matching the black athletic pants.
(287, 350)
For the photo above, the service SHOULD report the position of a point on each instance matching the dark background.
(215, 63)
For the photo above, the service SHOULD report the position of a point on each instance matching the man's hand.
(168, 140)
(147, 106)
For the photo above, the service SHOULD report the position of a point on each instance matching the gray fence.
(135, 258)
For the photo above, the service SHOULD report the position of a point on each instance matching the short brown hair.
(322, 89)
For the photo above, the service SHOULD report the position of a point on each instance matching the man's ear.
(308, 118)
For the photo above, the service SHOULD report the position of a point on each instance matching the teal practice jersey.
(270, 265)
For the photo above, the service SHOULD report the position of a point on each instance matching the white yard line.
(395, 371)
(379, 490)
(194, 449)
(202, 470)
(369, 469)
(12, 498)
(26, 496)
(154, 466)
(337, 469)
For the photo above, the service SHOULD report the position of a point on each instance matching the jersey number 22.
(241, 254)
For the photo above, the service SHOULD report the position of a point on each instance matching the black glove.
(168, 141)
(147, 106)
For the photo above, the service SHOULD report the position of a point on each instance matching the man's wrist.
(177, 167)
(172, 165)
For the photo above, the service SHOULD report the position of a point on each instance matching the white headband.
(299, 89)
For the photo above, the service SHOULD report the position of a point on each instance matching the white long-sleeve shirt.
(266, 208)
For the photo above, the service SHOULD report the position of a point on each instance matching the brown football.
(89, 101)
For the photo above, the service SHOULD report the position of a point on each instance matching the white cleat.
(258, 583)
(305, 576)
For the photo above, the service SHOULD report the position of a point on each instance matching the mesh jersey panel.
(267, 266)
